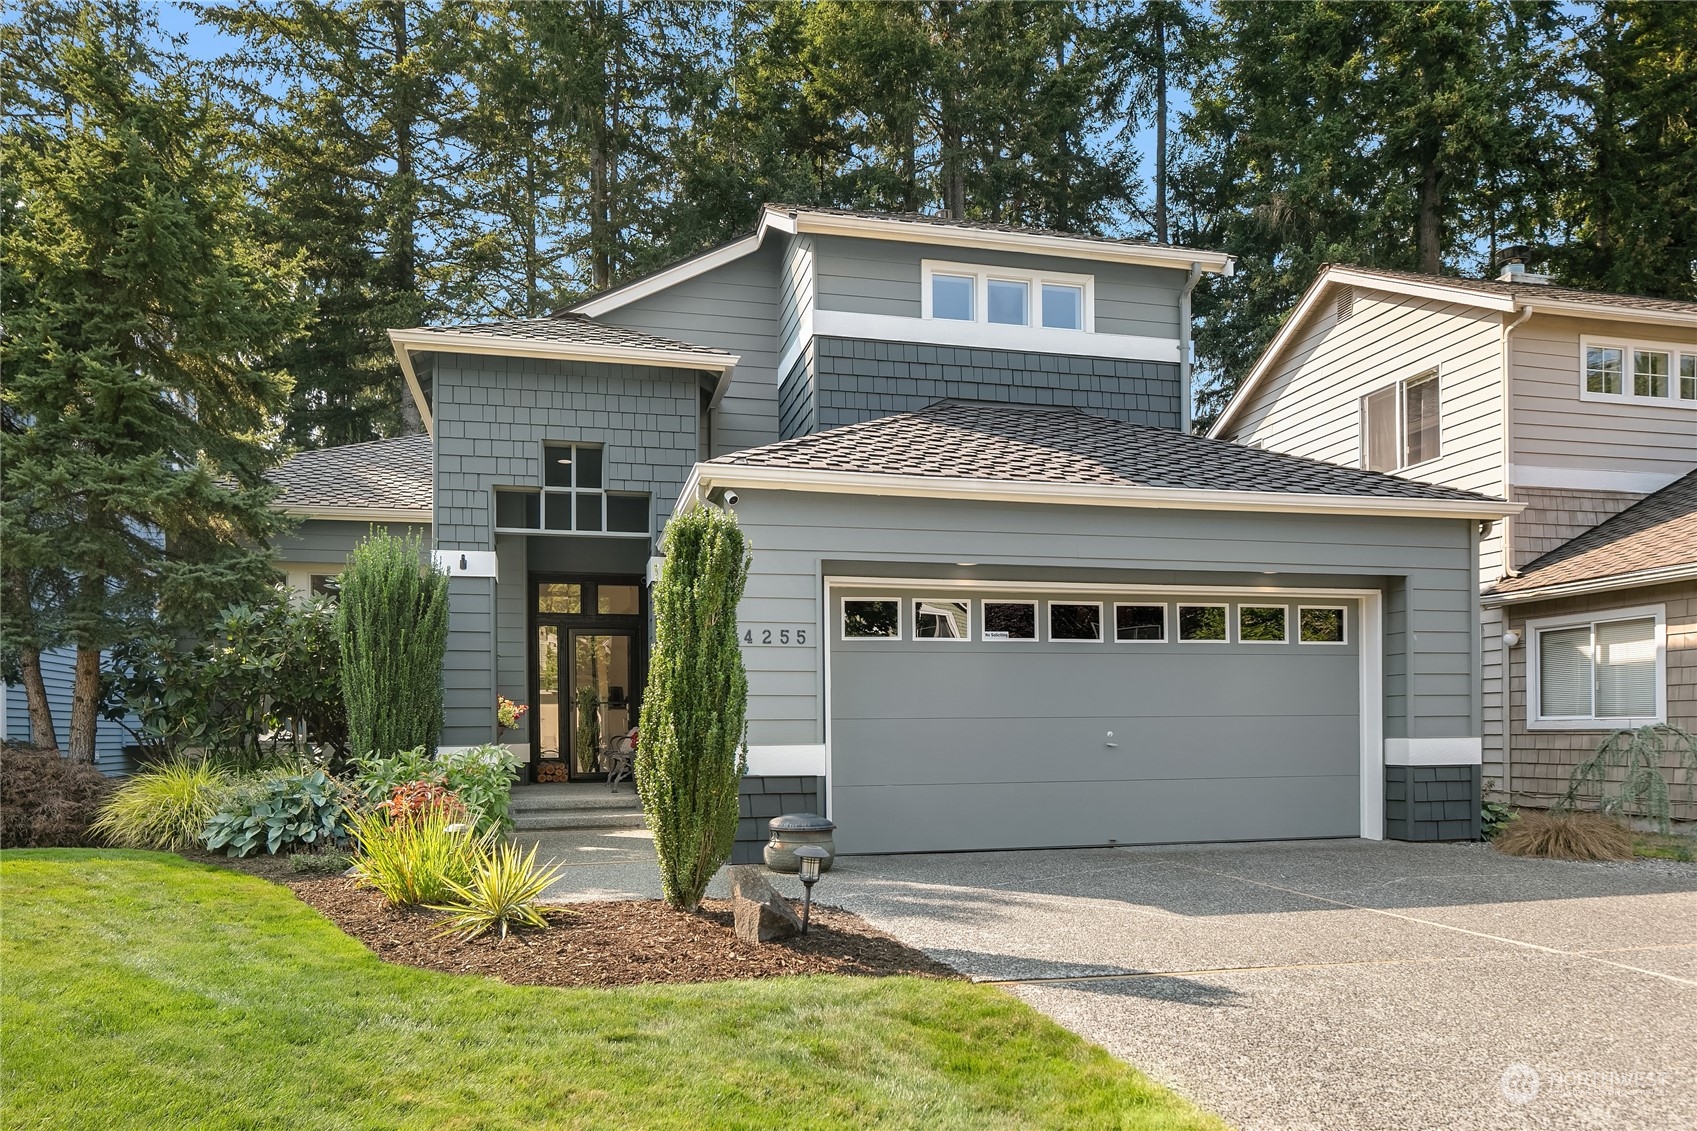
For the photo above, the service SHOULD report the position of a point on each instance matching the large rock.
(762, 915)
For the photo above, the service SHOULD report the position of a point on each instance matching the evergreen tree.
(392, 627)
(689, 763)
(138, 425)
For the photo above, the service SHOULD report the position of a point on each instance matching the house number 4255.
(763, 634)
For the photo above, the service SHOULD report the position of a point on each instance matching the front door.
(588, 666)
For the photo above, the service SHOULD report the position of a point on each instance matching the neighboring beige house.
(1574, 404)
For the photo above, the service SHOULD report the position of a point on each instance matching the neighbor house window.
(1075, 620)
(1648, 372)
(1322, 625)
(1202, 623)
(1140, 622)
(966, 292)
(573, 497)
(1261, 624)
(1010, 620)
(1597, 672)
(1399, 424)
(935, 619)
(872, 619)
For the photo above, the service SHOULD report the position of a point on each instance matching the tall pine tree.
(139, 421)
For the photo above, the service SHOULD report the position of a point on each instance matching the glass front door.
(589, 658)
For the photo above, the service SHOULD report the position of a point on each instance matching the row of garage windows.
(947, 618)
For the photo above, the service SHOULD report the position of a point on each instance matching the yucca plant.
(415, 861)
(502, 892)
(166, 806)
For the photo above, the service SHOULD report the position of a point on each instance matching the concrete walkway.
(1317, 986)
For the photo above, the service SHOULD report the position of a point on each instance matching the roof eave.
(355, 514)
(708, 476)
(1639, 579)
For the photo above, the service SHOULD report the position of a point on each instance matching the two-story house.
(1580, 406)
(1000, 596)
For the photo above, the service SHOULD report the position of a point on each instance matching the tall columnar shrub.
(393, 626)
(689, 761)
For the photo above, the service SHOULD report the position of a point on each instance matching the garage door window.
(878, 619)
(1075, 621)
(936, 619)
(1320, 625)
(1202, 624)
(1010, 620)
(1261, 624)
(1140, 622)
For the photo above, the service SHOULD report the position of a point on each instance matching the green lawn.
(141, 990)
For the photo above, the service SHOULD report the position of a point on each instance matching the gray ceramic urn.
(793, 830)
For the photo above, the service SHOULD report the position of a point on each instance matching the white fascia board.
(1662, 575)
(1463, 296)
(358, 514)
(987, 335)
(668, 277)
(706, 477)
(447, 341)
(942, 235)
(404, 356)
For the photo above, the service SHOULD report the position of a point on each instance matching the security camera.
(731, 498)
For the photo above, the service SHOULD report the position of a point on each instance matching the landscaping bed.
(622, 943)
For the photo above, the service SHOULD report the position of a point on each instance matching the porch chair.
(618, 758)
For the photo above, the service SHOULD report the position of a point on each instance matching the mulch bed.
(620, 943)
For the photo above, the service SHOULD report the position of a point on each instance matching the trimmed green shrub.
(417, 861)
(285, 811)
(392, 623)
(481, 777)
(166, 806)
(503, 892)
(690, 760)
(47, 800)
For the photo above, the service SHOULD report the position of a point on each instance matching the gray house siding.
(492, 416)
(1424, 566)
(856, 380)
(798, 402)
(733, 307)
(327, 541)
(58, 672)
(883, 277)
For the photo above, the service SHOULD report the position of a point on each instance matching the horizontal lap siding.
(58, 673)
(1555, 428)
(797, 538)
(883, 277)
(734, 307)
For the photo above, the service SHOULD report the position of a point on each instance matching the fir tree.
(139, 426)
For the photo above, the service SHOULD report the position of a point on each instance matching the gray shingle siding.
(858, 381)
(797, 405)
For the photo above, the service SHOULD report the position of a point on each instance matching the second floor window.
(1399, 424)
(962, 292)
(573, 497)
(1639, 371)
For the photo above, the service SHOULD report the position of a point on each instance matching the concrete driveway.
(1336, 985)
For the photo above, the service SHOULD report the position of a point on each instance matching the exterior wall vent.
(1346, 303)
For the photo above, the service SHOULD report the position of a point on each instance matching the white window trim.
(1626, 346)
(1165, 636)
(1101, 627)
(1344, 620)
(1238, 621)
(981, 275)
(842, 618)
(1534, 630)
(917, 601)
(1036, 623)
(1435, 373)
(1178, 616)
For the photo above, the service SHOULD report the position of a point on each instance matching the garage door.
(972, 720)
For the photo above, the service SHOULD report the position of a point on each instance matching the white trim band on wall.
(1434, 751)
(992, 336)
(787, 761)
(1588, 479)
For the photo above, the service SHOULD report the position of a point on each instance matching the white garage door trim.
(1371, 648)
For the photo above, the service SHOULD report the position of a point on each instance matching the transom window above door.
(573, 497)
(1636, 371)
(970, 292)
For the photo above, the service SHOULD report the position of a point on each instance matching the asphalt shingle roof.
(1013, 443)
(391, 474)
(1549, 292)
(948, 222)
(1656, 532)
(571, 329)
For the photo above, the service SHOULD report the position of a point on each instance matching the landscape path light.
(810, 856)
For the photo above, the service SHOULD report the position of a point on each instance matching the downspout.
(1184, 411)
(1508, 569)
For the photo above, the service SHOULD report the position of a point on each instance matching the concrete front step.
(565, 819)
(600, 800)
